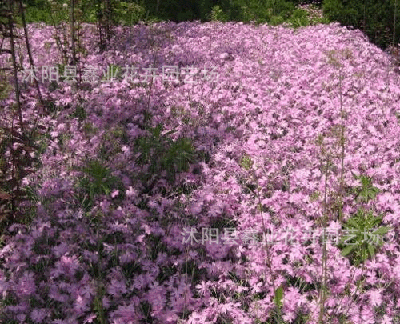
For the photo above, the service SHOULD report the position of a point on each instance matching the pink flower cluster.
(264, 134)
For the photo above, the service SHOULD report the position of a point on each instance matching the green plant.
(314, 196)
(316, 16)
(112, 142)
(362, 228)
(112, 72)
(375, 18)
(59, 11)
(5, 87)
(89, 129)
(278, 296)
(161, 153)
(97, 180)
(17, 203)
(299, 18)
(79, 113)
(306, 16)
(218, 15)
(246, 162)
(276, 20)
(129, 13)
(367, 191)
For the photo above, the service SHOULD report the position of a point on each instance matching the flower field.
(260, 184)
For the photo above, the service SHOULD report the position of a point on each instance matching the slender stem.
(28, 48)
(12, 45)
(100, 309)
(72, 27)
(267, 249)
(324, 254)
(342, 140)
(394, 23)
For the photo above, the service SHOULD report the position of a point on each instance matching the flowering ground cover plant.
(300, 130)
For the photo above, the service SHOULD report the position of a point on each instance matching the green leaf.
(278, 296)
(157, 130)
(347, 250)
(382, 230)
(352, 222)
(371, 250)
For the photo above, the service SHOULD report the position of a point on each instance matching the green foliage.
(58, 12)
(299, 18)
(129, 13)
(5, 87)
(177, 10)
(89, 129)
(218, 15)
(374, 18)
(276, 20)
(367, 191)
(246, 162)
(362, 237)
(112, 142)
(61, 70)
(278, 296)
(161, 153)
(79, 113)
(98, 302)
(37, 14)
(314, 196)
(54, 12)
(113, 72)
(97, 180)
(260, 11)
(333, 8)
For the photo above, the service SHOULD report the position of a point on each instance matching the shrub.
(129, 13)
(218, 15)
(375, 18)
(299, 18)
(260, 11)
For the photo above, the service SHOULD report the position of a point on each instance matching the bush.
(128, 13)
(374, 18)
(177, 10)
(218, 15)
(299, 18)
(260, 11)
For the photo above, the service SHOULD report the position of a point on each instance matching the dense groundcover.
(295, 135)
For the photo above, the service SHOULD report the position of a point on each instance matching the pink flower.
(116, 288)
(26, 285)
(126, 314)
(131, 192)
(375, 297)
(38, 315)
